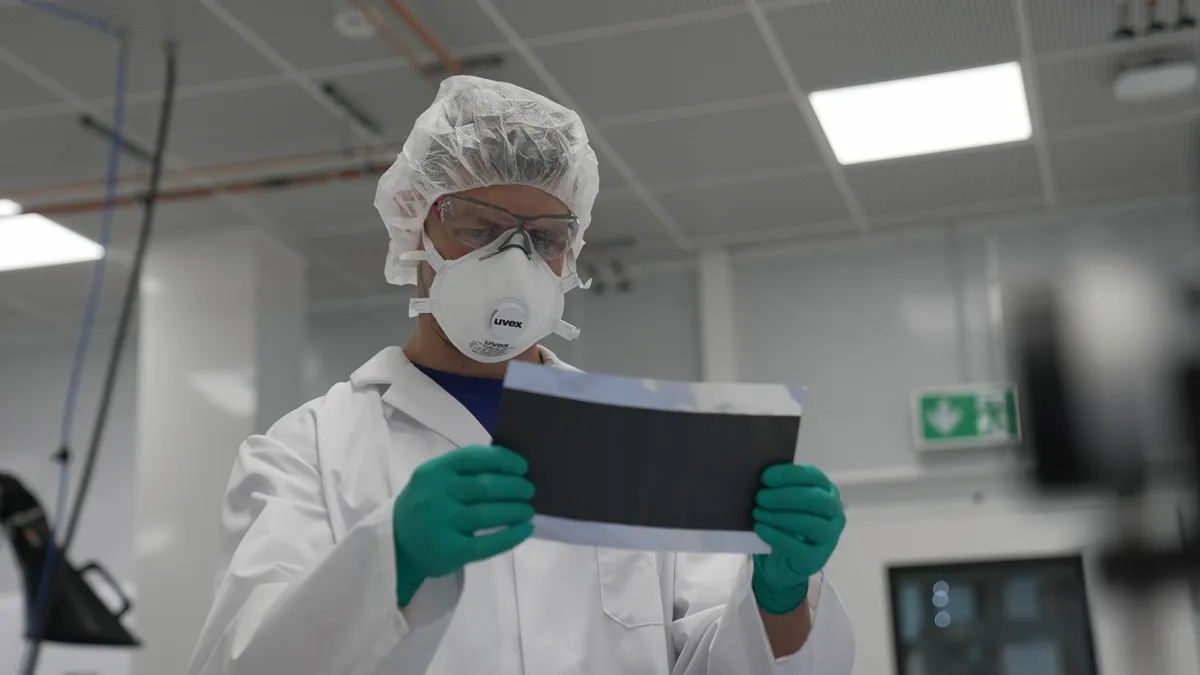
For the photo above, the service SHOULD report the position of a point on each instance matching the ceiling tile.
(20, 91)
(14, 323)
(612, 184)
(306, 36)
(172, 220)
(246, 125)
(321, 208)
(541, 17)
(123, 231)
(63, 288)
(1154, 158)
(395, 98)
(325, 286)
(770, 137)
(363, 252)
(184, 218)
(848, 42)
(796, 201)
(1078, 92)
(621, 218)
(944, 180)
(209, 51)
(457, 23)
(665, 68)
(52, 150)
(1061, 25)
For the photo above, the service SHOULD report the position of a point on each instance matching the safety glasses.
(476, 224)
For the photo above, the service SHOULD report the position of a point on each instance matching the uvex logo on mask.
(508, 322)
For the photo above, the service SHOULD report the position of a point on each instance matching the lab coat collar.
(413, 393)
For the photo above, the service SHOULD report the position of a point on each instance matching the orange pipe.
(449, 62)
(205, 172)
(435, 45)
(398, 44)
(236, 187)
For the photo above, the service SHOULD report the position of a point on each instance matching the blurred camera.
(1108, 367)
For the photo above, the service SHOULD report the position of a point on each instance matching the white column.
(718, 328)
(221, 346)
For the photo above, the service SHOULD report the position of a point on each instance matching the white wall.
(864, 324)
(33, 384)
(340, 341)
(860, 324)
(649, 331)
(958, 529)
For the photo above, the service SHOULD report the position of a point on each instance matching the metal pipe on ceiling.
(449, 63)
(452, 64)
(390, 36)
(245, 186)
(369, 152)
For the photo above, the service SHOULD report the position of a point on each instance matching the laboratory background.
(762, 217)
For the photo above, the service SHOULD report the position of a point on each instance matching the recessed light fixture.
(923, 115)
(33, 240)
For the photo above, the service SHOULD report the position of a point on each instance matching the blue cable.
(41, 600)
(93, 298)
(80, 17)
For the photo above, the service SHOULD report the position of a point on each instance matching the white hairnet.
(480, 133)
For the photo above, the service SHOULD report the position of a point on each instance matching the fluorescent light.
(9, 208)
(922, 115)
(33, 240)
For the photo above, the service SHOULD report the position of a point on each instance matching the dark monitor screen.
(1002, 617)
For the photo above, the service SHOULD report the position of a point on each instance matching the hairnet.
(480, 133)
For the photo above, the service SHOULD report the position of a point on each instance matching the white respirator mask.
(497, 301)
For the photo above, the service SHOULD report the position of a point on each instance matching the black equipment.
(1108, 365)
(75, 614)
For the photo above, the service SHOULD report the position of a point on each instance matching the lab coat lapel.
(414, 394)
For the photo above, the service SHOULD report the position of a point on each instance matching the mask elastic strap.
(417, 306)
(566, 331)
(429, 255)
(572, 281)
(568, 284)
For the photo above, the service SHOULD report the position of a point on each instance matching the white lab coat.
(308, 584)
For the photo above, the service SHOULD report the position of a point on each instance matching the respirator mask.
(501, 298)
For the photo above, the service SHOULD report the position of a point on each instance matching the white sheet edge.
(642, 538)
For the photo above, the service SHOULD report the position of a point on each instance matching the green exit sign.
(965, 416)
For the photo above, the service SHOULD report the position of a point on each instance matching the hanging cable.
(42, 596)
(78, 16)
(110, 377)
(131, 294)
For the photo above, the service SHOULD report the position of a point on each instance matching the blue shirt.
(479, 395)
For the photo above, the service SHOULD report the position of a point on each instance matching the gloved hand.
(450, 498)
(799, 514)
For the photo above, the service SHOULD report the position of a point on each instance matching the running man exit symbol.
(965, 416)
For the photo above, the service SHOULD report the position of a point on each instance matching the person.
(376, 530)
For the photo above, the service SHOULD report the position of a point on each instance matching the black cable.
(128, 305)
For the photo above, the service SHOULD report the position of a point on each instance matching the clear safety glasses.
(476, 224)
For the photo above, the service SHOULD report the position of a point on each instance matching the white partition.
(221, 335)
(651, 330)
(863, 324)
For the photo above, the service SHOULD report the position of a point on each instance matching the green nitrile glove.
(450, 498)
(799, 514)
